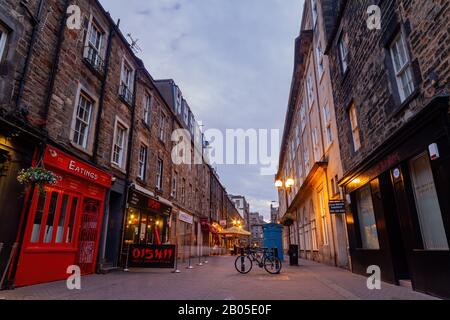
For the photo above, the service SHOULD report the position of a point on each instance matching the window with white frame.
(336, 181)
(306, 159)
(178, 100)
(302, 233)
(147, 108)
(126, 81)
(307, 225)
(142, 163)
(323, 217)
(191, 124)
(327, 123)
(3, 38)
(159, 174)
(183, 191)
(314, 12)
(310, 89)
(303, 116)
(119, 145)
(95, 37)
(343, 53)
(300, 168)
(319, 55)
(94, 44)
(314, 235)
(162, 126)
(402, 67)
(186, 113)
(355, 127)
(82, 121)
(315, 141)
(173, 193)
(293, 149)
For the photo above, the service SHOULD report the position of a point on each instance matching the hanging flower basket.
(38, 176)
(287, 220)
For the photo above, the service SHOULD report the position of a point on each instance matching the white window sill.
(118, 167)
(87, 150)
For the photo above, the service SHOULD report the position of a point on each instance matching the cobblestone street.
(218, 280)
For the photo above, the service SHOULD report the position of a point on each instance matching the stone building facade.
(243, 207)
(80, 103)
(391, 93)
(256, 228)
(310, 158)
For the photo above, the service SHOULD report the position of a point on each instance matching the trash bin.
(293, 255)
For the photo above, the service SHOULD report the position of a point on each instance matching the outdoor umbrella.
(235, 231)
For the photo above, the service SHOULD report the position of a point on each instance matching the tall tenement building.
(243, 207)
(78, 102)
(389, 166)
(310, 156)
(391, 90)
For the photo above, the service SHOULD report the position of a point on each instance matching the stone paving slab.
(218, 280)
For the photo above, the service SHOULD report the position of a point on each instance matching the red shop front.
(64, 222)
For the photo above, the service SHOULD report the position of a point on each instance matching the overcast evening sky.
(233, 61)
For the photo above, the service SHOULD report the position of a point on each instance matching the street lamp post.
(286, 186)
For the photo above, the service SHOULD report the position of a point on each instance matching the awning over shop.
(236, 232)
(142, 201)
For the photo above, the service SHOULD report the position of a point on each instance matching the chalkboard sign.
(151, 256)
(336, 207)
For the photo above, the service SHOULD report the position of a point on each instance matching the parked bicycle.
(264, 258)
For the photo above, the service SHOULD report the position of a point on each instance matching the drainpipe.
(35, 21)
(55, 65)
(332, 225)
(128, 185)
(102, 95)
(107, 208)
(316, 75)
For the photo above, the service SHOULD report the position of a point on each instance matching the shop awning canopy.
(235, 231)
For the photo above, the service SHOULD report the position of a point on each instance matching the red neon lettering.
(159, 253)
(136, 253)
(149, 254)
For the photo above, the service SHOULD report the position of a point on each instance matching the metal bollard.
(126, 260)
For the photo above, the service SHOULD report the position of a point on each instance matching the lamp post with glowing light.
(286, 186)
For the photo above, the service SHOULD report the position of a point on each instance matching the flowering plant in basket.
(39, 176)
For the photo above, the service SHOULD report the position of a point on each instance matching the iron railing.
(92, 57)
(126, 94)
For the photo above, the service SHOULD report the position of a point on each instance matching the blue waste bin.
(273, 237)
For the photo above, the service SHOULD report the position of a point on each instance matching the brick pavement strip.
(218, 280)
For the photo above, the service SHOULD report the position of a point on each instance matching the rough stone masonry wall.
(368, 82)
(15, 19)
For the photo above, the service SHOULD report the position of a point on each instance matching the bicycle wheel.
(243, 264)
(272, 265)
